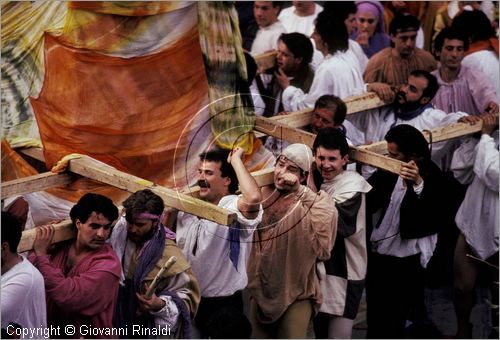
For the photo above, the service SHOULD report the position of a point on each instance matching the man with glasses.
(392, 66)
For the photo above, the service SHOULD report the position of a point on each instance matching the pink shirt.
(469, 93)
(86, 295)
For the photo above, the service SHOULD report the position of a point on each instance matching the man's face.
(212, 185)
(94, 232)
(452, 53)
(322, 118)
(329, 162)
(283, 166)
(367, 22)
(139, 230)
(404, 43)
(265, 14)
(410, 96)
(303, 6)
(286, 60)
(351, 23)
(394, 152)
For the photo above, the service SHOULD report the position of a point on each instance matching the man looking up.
(144, 244)
(81, 275)
(298, 228)
(219, 254)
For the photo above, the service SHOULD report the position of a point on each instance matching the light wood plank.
(36, 153)
(265, 61)
(283, 131)
(104, 173)
(62, 231)
(374, 159)
(35, 183)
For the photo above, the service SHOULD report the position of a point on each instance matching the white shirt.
(339, 75)
(266, 38)
(23, 298)
(386, 239)
(210, 261)
(487, 62)
(295, 23)
(477, 163)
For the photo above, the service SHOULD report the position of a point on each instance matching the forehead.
(419, 82)
(282, 47)
(209, 165)
(287, 162)
(329, 153)
(324, 112)
(406, 35)
(97, 218)
(366, 14)
(263, 4)
(453, 42)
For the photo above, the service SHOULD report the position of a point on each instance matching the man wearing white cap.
(298, 228)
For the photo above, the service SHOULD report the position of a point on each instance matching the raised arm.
(250, 199)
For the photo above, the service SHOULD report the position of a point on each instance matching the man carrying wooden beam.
(81, 275)
(144, 245)
(219, 254)
(343, 274)
(413, 207)
(412, 106)
(298, 229)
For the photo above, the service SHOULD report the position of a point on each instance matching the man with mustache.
(412, 106)
(217, 253)
(143, 245)
(81, 275)
(298, 229)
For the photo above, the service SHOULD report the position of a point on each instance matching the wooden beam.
(35, 153)
(374, 159)
(283, 131)
(293, 135)
(265, 61)
(63, 231)
(34, 183)
(366, 101)
(438, 135)
(104, 173)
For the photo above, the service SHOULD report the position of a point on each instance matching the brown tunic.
(282, 267)
(386, 68)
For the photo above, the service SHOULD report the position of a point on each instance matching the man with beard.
(143, 245)
(298, 229)
(219, 254)
(81, 275)
(412, 106)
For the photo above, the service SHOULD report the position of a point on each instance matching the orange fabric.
(13, 165)
(128, 113)
(491, 44)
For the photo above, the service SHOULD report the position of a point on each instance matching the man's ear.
(227, 181)
(345, 159)
(425, 100)
(5, 246)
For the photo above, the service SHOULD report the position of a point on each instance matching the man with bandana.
(217, 253)
(298, 228)
(411, 106)
(143, 245)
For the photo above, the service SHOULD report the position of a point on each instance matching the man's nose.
(101, 232)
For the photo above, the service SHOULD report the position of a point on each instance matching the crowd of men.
(304, 249)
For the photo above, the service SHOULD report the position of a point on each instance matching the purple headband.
(146, 215)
